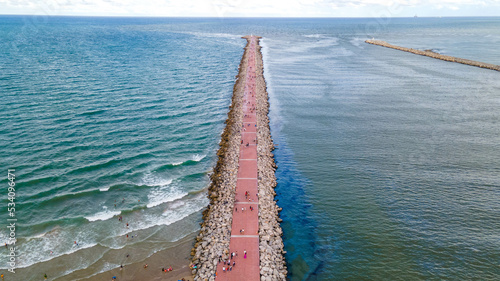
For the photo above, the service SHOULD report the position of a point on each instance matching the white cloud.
(225, 8)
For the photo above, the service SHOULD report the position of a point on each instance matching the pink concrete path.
(245, 227)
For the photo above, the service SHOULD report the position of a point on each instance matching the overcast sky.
(253, 8)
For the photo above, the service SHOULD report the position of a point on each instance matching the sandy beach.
(177, 257)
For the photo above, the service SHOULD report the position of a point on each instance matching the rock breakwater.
(272, 261)
(435, 55)
(213, 241)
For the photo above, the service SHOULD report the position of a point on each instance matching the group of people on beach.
(166, 269)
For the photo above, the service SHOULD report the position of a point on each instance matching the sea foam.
(198, 157)
(103, 215)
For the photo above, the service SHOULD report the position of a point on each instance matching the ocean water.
(104, 118)
(388, 161)
(394, 157)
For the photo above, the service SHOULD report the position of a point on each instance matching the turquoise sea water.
(102, 118)
(388, 161)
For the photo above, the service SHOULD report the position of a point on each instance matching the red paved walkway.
(244, 231)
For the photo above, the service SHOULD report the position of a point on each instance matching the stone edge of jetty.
(271, 248)
(435, 55)
(214, 237)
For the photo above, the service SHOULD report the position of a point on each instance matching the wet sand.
(176, 256)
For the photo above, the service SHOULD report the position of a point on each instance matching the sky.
(253, 8)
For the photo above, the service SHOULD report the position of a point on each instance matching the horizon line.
(239, 17)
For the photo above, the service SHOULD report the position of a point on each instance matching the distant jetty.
(242, 217)
(435, 55)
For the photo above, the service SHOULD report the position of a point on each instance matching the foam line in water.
(163, 191)
(198, 157)
(159, 196)
(171, 214)
(49, 246)
(275, 108)
(216, 35)
(103, 215)
(191, 161)
(106, 267)
(80, 265)
(314, 35)
(153, 180)
(60, 241)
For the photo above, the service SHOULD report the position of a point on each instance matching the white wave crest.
(150, 179)
(216, 35)
(52, 244)
(314, 35)
(103, 215)
(198, 157)
(162, 195)
(109, 234)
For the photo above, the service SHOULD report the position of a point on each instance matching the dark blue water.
(388, 161)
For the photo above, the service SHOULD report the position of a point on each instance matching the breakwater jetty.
(435, 55)
(240, 236)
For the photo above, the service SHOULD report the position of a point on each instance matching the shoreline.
(214, 237)
(431, 54)
(176, 255)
